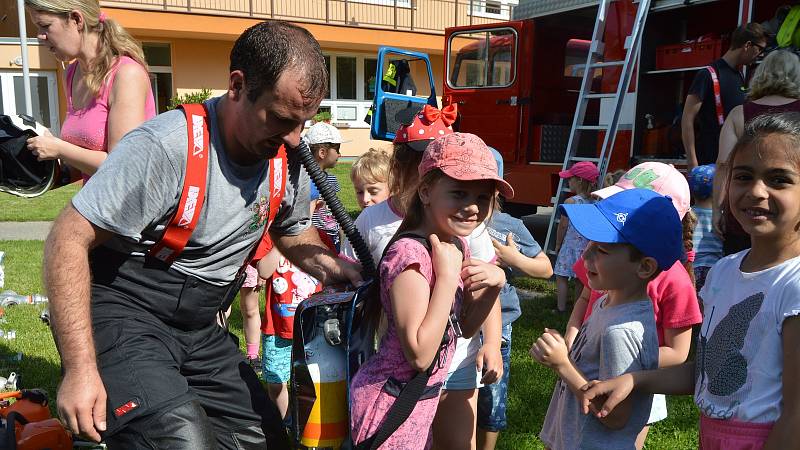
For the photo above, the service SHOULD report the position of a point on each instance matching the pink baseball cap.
(584, 170)
(659, 177)
(465, 157)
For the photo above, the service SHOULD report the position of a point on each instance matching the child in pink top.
(420, 289)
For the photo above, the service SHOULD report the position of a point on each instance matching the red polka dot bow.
(447, 114)
(428, 124)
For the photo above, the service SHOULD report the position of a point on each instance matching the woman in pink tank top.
(775, 88)
(107, 85)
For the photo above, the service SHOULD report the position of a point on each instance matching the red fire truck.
(516, 83)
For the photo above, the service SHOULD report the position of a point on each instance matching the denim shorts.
(277, 360)
(492, 398)
(465, 378)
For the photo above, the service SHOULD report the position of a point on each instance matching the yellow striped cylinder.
(327, 423)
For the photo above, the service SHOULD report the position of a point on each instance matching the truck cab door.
(404, 85)
(483, 77)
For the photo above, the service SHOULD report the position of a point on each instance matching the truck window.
(482, 59)
(575, 59)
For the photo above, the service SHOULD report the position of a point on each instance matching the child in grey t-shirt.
(620, 336)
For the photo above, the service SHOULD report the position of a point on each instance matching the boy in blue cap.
(633, 236)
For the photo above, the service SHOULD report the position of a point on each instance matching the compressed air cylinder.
(328, 422)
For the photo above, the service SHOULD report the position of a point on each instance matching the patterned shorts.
(277, 360)
(492, 398)
(251, 280)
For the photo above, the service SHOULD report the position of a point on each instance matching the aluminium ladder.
(632, 45)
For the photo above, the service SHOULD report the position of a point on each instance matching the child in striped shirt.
(325, 141)
(707, 245)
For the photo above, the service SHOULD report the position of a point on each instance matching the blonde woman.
(107, 86)
(775, 88)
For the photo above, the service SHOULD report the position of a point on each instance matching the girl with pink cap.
(475, 362)
(582, 179)
(430, 294)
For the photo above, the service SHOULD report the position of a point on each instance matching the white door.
(44, 96)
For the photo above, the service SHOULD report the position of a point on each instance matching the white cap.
(323, 132)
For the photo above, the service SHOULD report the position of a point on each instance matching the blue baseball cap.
(498, 158)
(701, 180)
(640, 217)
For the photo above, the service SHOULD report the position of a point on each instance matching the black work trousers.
(174, 378)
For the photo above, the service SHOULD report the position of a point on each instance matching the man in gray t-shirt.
(145, 363)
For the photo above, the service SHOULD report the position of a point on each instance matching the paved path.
(23, 231)
(537, 223)
(20, 231)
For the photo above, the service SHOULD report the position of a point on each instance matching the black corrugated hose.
(337, 208)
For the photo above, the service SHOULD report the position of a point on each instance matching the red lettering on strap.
(126, 408)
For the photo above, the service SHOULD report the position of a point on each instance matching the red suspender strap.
(277, 188)
(193, 195)
(717, 95)
(277, 184)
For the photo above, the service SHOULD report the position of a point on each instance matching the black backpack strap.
(410, 394)
(402, 406)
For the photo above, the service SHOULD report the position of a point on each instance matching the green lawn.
(530, 387)
(347, 195)
(47, 206)
(40, 366)
(43, 208)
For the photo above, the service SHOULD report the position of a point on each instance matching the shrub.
(189, 97)
(322, 116)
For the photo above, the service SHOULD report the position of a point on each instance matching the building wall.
(9, 25)
(200, 48)
(198, 64)
(427, 16)
(38, 57)
(190, 74)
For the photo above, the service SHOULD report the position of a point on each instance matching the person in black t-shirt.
(747, 42)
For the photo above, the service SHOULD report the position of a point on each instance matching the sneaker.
(255, 363)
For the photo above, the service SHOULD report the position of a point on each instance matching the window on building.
(158, 56)
(44, 97)
(351, 88)
(346, 78)
(370, 66)
(482, 59)
(494, 9)
(328, 67)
